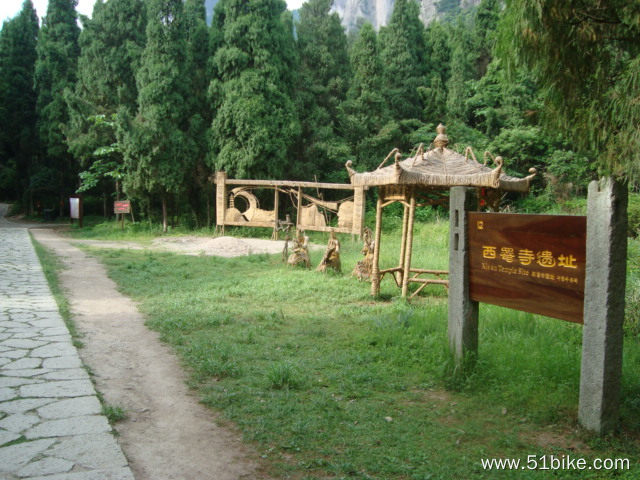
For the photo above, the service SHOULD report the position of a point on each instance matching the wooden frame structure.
(427, 172)
(402, 274)
(350, 211)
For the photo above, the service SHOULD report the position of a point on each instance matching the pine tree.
(484, 26)
(256, 123)
(18, 138)
(402, 54)
(323, 84)
(157, 150)
(463, 69)
(111, 45)
(55, 71)
(364, 112)
(438, 67)
(199, 110)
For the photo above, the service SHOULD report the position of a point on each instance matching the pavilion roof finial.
(441, 140)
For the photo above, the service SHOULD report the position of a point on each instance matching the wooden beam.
(289, 183)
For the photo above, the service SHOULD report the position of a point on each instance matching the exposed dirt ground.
(168, 434)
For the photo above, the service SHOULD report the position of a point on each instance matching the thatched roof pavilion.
(435, 170)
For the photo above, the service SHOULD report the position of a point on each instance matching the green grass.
(52, 266)
(330, 383)
(113, 413)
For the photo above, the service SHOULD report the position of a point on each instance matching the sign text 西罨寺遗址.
(534, 263)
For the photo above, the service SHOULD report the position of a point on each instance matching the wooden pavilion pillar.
(375, 268)
(408, 244)
(403, 241)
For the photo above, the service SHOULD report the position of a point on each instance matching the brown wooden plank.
(290, 183)
(534, 263)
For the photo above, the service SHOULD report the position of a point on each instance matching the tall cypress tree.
(323, 84)
(256, 121)
(438, 58)
(402, 54)
(111, 44)
(199, 109)
(463, 69)
(55, 71)
(156, 147)
(364, 112)
(18, 138)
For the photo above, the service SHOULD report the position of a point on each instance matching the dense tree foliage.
(111, 44)
(198, 109)
(256, 122)
(56, 71)
(157, 149)
(586, 57)
(324, 73)
(18, 138)
(402, 52)
(152, 94)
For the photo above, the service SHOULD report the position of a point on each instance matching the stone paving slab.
(51, 426)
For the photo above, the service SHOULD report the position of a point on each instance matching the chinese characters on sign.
(121, 206)
(534, 263)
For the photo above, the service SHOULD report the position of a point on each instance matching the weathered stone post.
(602, 335)
(463, 312)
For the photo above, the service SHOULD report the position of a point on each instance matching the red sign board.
(534, 263)
(122, 206)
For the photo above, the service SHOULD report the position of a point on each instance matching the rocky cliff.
(377, 12)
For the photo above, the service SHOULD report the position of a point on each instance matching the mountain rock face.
(378, 12)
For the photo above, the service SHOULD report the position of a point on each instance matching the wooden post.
(359, 205)
(221, 199)
(463, 312)
(375, 268)
(299, 215)
(406, 272)
(275, 214)
(403, 242)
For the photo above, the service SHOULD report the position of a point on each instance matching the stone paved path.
(51, 427)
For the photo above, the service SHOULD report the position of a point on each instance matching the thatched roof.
(441, 167)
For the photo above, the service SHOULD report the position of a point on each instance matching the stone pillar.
(602, 335)
(463, 312)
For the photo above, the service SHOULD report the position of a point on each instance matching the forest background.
(146, 100)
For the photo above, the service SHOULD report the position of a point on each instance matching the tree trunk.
(164, 214)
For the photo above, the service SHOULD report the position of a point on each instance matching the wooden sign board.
(534, 263)
(122, 206)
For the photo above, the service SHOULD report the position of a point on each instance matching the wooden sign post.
(567, 267)
(122, 207)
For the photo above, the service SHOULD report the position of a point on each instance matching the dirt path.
(168, 434)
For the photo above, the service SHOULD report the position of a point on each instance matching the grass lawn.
(328, 382)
